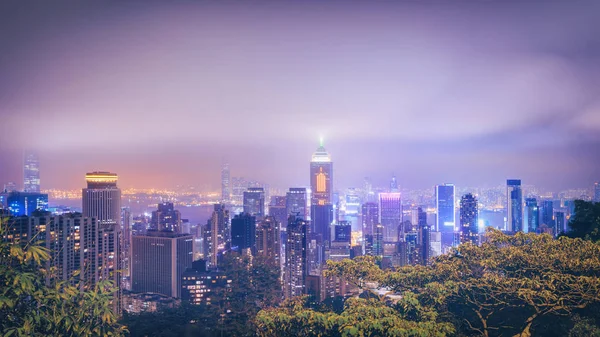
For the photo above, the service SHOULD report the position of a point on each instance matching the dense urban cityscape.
(308, 169)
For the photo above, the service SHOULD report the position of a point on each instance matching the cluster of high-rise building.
(162, 256)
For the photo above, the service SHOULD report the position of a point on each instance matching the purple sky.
(470, 92)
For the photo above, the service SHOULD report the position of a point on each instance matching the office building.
(295, 256)
(394, 185)
(445, 206)
(390, 215)
(296, 202)
(531, 217)
(268, 239)
(425, 242)
(25, 203)
(166, 218)
(31, 173)
(469, 232)
(369, 217)
(547, 213)
(514, 206)
(278, 209)
(322, 219)
(238, 187)
(560, 223)
(225, 183)
(243, 233)
(158, 262)
(321, 177)
(126, 230)
(254, 201)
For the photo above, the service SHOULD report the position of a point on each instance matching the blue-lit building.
(532, 216)
(25, 203)
(514, 205)
(445, 205)
(243, 233)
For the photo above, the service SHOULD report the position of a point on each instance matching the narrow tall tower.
(321, 176)
(31, 173)
(225, 183)
(514, 205)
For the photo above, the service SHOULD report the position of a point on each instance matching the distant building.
(321, 177)
(468, 219)
(278, 209)
(166, 218)
(158, 261)
(514, 205)
(369, 217)
(254, 201)
(547, 213)
(217, 234)
(295, 255)
(31, 173)
(202, 286)
(135, 303)
(445, 206)
(390, 214)
(560, 223)
(25, 203)
(243, 233)
(225, 183)
(394, 185)
(597, 192)
(436, 243)
(322, 218)
(531, 216)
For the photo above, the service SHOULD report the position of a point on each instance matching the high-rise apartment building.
(102, 201)
(547, 213)
(31, 173)
(369, 217)
(216, 235)
(514, 205)
(531, 216)
(268, 239)
(321, 177)
(445, 206)
(390, 215)
(295, 257)
(254, 201)
(468, 219)
(243, 233)
(166, 218)
(158, 262)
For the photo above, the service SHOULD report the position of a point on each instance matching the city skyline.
(390, 91)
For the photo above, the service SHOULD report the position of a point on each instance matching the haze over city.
(466, 92)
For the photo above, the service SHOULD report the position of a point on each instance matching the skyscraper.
(532, 216)
(102, 201)
(468, 219)
(390, 214)
(321, 177)
(394, 184)
(166, 218)
(254, 201)
(243, 233)
(295, 257)
(26, 203)
(514, 205)
(225, 183)
(296, 202)
(278, 209)
(31, 173)
(369, 217)
(216, 235)
(547, 213)
(445, 206)
(159, 260)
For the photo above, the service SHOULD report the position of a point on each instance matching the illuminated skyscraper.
(295, 257)
(468, 219)
(268, 239)
(278, 209)
(445, 205)
(216, 235)
(31, 173)
(26, 203)
(370, 217)
(225, 183)
(321, 177)
(254, 201)
(532, 216)
(102, 201)
(514, 205)
(390, 215)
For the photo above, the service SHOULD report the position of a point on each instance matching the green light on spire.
(321, 141)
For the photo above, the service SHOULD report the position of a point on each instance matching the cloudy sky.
(470, 92)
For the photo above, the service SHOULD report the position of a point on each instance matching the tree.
(585, 223)
(358, 271)
(30, 307)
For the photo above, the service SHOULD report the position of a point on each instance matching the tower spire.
(321, 141)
